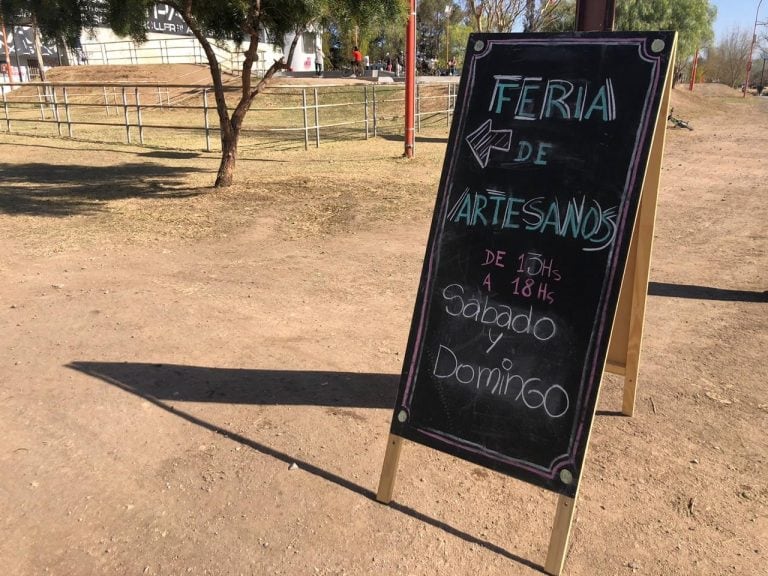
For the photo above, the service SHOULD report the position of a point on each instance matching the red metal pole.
(410, 82)
(693, 70)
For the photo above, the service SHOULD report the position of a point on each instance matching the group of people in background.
(360, 63)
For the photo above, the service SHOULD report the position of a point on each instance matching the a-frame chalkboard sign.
(553, 138)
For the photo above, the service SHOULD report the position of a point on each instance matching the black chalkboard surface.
(530, 235)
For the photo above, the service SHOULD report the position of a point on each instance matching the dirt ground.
(201, 382)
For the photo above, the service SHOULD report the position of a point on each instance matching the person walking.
(357, 62)
(319, 59)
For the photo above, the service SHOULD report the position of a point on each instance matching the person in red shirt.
(357, 62)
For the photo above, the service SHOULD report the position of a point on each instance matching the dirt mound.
(155, 73)
(197, 74)
(713, 90)
(706, 99)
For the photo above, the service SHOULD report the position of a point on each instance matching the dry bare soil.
(200, 382)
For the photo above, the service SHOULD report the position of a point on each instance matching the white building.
(169, 41)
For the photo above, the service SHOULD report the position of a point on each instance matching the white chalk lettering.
(482, 310)
(501, 381)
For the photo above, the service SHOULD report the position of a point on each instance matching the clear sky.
(737, 13)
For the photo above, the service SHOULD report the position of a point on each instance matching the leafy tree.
(389, 37)
(50, 20)
(693, 20)
(363, 24)
(210, 21)
(431, 17)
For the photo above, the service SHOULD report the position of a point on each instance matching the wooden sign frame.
(627, 333)
(624, 347)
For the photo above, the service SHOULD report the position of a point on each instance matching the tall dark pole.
(410, 81)
(751, 50)
(595, 15)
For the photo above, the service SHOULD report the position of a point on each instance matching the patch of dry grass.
(61, 195)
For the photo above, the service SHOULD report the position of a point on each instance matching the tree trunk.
(292, 50)
(530, 16)
(38, 48)
(230, 125)
(226, 174)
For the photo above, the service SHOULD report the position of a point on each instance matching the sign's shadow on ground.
(160, 383)
(705, 292)
(243, 386)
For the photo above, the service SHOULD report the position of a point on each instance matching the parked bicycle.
(678, 122)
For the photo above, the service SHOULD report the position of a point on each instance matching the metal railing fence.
(169, 51)
(183, 116)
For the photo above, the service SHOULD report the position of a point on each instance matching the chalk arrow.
(485, 139)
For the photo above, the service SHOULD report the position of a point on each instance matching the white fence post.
(125, 116)
(137, 97)
(205, 115)
(5, 108)
(106, 101)
(418, 108)
(375, 113)
(56, 111)
(306, 123)
(317, 121)
(40, 100)
(66, 110)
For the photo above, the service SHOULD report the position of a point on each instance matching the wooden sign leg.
(627, 333)
(638, 287)
(644, 226)
(561, 533)
(389, 469)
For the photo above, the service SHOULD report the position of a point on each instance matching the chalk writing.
(533, 98)
(535, 264)
(482, 311)
(579, 218)
(494, 258)
(530, 288)
(500, 381)
(485, 138)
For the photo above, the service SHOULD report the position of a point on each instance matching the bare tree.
(542, 17)
(495, 15)
(727, 61)
(504, 15)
